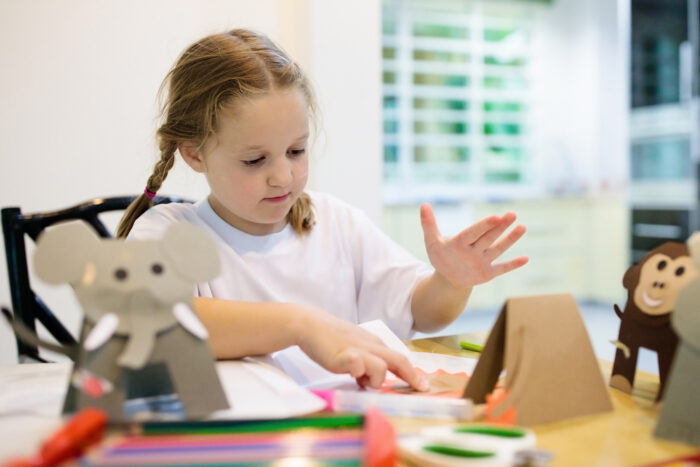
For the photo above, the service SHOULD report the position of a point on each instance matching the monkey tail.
(29, 337)
(618, 312)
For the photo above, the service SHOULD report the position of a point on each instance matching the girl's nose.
(280, 173)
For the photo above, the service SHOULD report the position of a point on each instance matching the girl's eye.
(254, 161)
(297, 152)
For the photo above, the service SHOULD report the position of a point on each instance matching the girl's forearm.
(239, 329)
(436, 303)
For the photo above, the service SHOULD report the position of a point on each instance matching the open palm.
(467, 259)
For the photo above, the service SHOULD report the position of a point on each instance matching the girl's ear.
(191, 154)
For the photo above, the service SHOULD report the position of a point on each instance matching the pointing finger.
(402, 368)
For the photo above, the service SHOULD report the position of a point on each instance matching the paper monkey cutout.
(652, 287)
(551, 370)
(140, 336)
(679, 419)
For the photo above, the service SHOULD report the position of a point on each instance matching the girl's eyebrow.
(251, 148)
(256, 147)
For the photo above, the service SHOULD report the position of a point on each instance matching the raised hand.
(467, 259)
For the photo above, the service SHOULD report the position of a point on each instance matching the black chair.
(27, 306)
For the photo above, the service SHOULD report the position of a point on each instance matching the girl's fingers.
(472, 233)
(349, 361)
(363, 381)
(497, 249)
(398, 364)
(431, 234)
(507, 266)
(490, 236)
(402, 368)
(375, 370)
(377, 361)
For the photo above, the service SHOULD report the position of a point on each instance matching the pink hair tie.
(148, 193)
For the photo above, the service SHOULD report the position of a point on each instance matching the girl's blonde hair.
(211, 74)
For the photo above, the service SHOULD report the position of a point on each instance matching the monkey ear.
(63, 250)
(192, 251)
(631, 276)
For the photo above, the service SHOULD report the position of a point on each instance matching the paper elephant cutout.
(679, 418)
(551, 371)
(140, 337)
(652, 287)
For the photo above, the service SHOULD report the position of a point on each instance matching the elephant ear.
(63, 251)
(694, 249)
(685, 319)
(191, 251)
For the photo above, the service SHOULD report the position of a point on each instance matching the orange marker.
(84, 429)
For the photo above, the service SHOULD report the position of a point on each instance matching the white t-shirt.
(345, 265)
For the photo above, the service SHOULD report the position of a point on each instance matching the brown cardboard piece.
(140, 335)
(652, 287)
(551, 370)
(679, 418)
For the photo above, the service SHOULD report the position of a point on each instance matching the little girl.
(298, 267)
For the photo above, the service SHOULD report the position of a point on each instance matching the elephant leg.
(192, 371)
(101, 364)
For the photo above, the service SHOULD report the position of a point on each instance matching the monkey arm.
(622, 346)
(618, 312)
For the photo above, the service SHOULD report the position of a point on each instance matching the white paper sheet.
(253, 389)
(256, 390)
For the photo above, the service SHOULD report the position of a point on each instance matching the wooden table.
(622, 437)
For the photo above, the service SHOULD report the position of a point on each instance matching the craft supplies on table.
(473, 445)
(323, 440)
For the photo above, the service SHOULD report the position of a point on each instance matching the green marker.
(471, 346)
(251, 426)
(457, 452)
(501, 432)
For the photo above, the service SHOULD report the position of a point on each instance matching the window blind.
(457, 99)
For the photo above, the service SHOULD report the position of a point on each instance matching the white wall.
(581, 92)
(78, 86)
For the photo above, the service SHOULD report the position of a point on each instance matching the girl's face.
(257, 163)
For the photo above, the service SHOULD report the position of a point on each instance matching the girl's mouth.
(278, 199)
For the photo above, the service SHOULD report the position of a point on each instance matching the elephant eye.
(121, 274)
(661, 265)
(157, 268)
(680, 271)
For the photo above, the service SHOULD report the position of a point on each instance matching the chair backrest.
(27, 306)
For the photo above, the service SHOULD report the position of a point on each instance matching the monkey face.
(660, 279)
